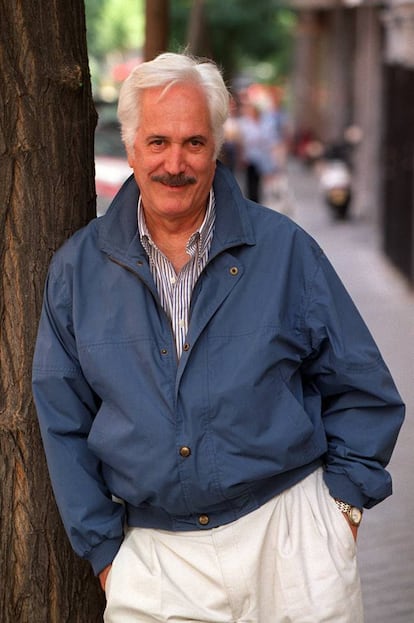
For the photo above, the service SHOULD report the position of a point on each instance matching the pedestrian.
(256, 149)
(230, 150)
(214, 412)
(274, 120)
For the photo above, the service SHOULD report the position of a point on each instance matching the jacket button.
(203, 520)
(186, 346)
(234, 270)
(164, 351)
(185, 451)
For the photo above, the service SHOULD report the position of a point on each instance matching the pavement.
(386, 302)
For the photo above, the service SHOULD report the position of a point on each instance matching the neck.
(171, 235)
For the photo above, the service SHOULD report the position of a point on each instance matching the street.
(386, 537)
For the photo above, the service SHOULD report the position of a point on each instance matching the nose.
(174, 159)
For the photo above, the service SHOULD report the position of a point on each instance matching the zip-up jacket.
(279, 375)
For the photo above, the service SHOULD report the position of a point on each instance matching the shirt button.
(203, 520)
(185, 451)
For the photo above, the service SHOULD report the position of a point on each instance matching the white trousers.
(291, 561)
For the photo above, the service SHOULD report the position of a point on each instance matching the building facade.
(354, 67)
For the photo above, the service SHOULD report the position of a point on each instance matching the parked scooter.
(336, 181)
(336, 173)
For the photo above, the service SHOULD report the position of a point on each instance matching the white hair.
(167, 69)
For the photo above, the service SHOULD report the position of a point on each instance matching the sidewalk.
(386, 537)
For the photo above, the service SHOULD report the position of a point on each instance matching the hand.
(103, 576)
(354, 529)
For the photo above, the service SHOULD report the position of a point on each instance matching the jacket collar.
(117, 229)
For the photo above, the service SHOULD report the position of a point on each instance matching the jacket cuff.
(103, 554)
(341, 488)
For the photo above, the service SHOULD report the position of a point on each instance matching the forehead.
(183, 104)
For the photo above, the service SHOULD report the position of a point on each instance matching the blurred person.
(274, 119)
(256, 150)
(230, 151)
(214, 411)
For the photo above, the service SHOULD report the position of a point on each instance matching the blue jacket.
(279, 375)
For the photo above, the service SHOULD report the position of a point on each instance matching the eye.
(196, 142)
(156, 143)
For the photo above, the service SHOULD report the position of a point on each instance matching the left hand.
(354, 529)
(103, 576)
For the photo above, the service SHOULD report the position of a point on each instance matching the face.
(172, 155)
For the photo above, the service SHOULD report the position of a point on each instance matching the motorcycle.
(336, 172)
(336, 183)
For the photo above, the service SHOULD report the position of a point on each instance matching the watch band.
(343, 506)
(353, 513)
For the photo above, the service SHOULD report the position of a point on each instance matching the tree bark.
(47, 122)
(156, 28)
(198, 32)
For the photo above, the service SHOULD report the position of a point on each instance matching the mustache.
(174, 180)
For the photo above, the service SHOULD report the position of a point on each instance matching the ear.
(130, 157)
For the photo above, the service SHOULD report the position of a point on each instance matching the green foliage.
(114, 25)
(242, 34)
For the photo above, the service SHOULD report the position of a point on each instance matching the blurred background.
(324, 90)
(341, 72)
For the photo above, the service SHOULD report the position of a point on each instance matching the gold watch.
(353, 513)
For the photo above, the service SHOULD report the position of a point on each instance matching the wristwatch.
(353, 513)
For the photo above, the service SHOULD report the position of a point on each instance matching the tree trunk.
(198, 32)
(156, 28)
(47, 121)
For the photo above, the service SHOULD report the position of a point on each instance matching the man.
(214, 412)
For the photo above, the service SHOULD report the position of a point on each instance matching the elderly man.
(215, 414)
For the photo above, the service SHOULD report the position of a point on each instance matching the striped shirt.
(174, 289)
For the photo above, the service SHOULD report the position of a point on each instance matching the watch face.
(355, 515)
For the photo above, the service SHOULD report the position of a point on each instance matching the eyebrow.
(198, 137)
